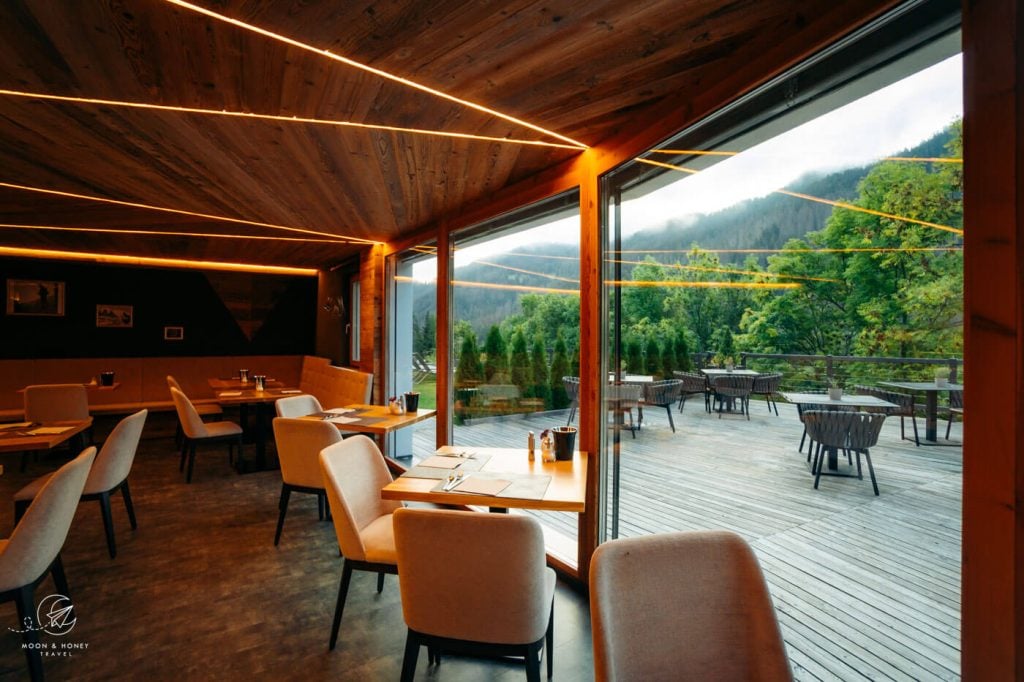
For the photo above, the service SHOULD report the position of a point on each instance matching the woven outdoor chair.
(854, 432)
(956, 407)
(768, 386)
(731, 388)
(622, 399)
(663, 394)
(904, 402)
(693, 384)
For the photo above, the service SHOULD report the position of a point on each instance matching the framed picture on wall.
(174, 333)
(35, 297)
(114, 316)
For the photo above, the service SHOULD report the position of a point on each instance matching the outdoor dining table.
(931, 404)
(822, 401)
(552, 486)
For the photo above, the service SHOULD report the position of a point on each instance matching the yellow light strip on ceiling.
(924, 159)
(163, 233)
(369, 69)
(705, 285)
(728, 271)
(276, 118)
(154, 262)
(837, 204)
(342, 239)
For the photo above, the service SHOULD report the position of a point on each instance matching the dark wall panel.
(221, 313)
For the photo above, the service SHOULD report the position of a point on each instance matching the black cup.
(565, 442)
(412, 401)
(106, 378)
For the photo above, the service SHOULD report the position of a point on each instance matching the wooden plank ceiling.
(585, 69)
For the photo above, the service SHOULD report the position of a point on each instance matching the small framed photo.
(35, 297)
(174, 333)
(112, 316)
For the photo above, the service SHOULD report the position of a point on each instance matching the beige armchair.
(354, 473)
(109, 474)
(197, 431)
(297, 406)
(33, 550)
(56, 402)
(683, 606)
(203, 409)
(474, 583)
(299, 442)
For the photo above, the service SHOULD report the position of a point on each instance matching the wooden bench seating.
(142, 383)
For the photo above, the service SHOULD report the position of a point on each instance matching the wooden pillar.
(444, 338)
(371, 317)
(591, 324)
(993, 535)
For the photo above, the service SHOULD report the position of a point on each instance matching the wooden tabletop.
(239, 396)
(566, 492)
(20, 439)
(378, 420)
(234, 384)
(847, 400)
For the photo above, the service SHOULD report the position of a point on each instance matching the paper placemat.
(440, 462)
(337, 410)
(229, 394)
(481, 486)
(341, 419)
(290, 391)
(368, 421)
(49, 430)
(15, 425)
(421, 471)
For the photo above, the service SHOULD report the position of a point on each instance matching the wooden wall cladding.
(221, 313)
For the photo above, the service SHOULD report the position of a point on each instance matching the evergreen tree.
(417, 336)
(539, 371)
(469, 371)
(682, 353)
(559, 369)
(634, 357)
(496, 361)
(668, 360)
(574, 364)
(652, 358)
(520, 364)
(428, 334)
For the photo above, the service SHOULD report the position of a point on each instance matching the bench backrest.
(335, 386)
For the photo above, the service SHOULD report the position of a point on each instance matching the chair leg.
(668, 410)
(60, 579)
(282, 506)
(25, 601)
(319, 507)
(380, 582)
(819, 461)
(871, 470)
(108, 524)
(550, 640)
(913, 420)
(412, 653)
(20, 507)
(339, 609)
(184, 454)
(533, 661)
(129, 507)
(801, 448)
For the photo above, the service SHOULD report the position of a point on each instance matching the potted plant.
(729, 364)
(835, 390)
(942, 376)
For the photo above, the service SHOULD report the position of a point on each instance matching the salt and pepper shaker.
(530, 442)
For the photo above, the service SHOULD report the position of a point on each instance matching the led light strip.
(705, 285)
(341, 239)
(369, 69)
(154, 262)
(829, 202)
(275, 118)
(162, 233)
(923, 159)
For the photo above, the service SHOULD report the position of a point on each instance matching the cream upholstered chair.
(299, 442)
(474, 583)
(354, 473)
(109, 474)
(203, 409)
(33, 550)
(683, 606)
(297, 406)
(197, 431)
(56, 402)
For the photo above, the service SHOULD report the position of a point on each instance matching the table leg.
(833, 459)
(931, 413)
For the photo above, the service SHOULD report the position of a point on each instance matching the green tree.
(469, 371)
(496, 357)
(634, 357)
(668, 359)
(520, 364)
(539, 372)
(652, 358)
(682, 352)
(428, 334)
(559, 369)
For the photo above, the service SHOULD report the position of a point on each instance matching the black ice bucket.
(565, 442)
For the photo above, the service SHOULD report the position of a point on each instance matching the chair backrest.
(297, 406)
(191, 422)
(829, 427)
(472, 576)
(766, 384)
(114, 461)
(56, 403)
(299, 442)
(39, 536)
(956, 399)
(354, 473)
(627, 395)
(733, 385)
(572, 387)
(864, 430)
(683, 606)
(173, 383)
(904, 401)
(692, 382)
(663, 392)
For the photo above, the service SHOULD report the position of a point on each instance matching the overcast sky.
(880, 124)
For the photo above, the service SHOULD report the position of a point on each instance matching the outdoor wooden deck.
(864, 586)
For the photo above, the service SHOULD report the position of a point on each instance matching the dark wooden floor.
(199, 592)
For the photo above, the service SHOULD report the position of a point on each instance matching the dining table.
(502, 478)
(35, 436)
(234, 392)
(376, 420)
(931, 404)
(824, 402)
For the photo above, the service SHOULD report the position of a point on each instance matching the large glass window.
(809, 237)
